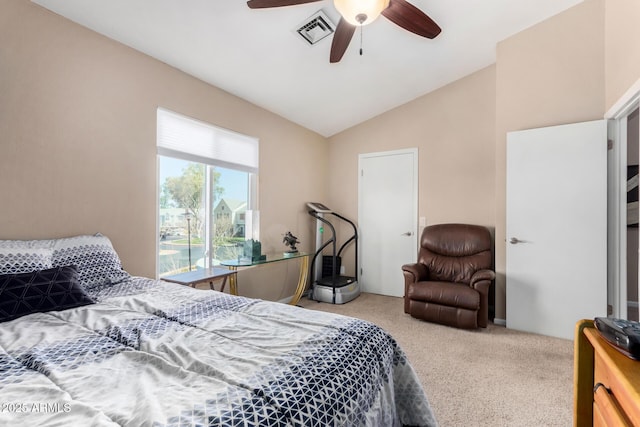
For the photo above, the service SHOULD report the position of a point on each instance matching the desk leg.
(233, 281)
(224, 283)
(302, 280)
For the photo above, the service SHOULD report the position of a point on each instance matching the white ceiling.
(256, 54)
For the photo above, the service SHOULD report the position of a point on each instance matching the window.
(206, 183)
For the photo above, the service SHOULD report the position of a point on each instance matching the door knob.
(514, 240)
(408, 233)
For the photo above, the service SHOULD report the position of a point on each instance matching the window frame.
(251, 168)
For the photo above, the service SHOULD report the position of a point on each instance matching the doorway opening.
(623, 212)
(633, 159)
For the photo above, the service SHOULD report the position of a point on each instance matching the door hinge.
(609, 309)
(361, 172)
(609, 144)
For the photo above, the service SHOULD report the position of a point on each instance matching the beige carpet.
(489, 377)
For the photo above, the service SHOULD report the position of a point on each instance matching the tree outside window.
(184, 191)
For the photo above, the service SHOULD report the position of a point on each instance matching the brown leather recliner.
(450, 282)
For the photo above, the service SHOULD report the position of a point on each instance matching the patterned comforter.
(152, 353)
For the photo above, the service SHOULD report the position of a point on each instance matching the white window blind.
(189, 139)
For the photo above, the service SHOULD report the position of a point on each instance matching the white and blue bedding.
(152, 353)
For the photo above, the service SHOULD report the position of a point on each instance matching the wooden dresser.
(606, 382)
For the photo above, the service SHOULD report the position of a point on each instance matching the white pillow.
(24, 256)
(94, 257)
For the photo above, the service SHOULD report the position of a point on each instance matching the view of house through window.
(202, 206)
(185, 222)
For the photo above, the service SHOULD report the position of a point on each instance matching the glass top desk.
(192, 278)
(234, 264)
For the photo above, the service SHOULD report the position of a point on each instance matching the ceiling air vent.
(315, 28)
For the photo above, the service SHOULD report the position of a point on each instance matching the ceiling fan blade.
(341, 39)
(409, 17)
(260, 4)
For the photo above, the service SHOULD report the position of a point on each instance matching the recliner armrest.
(419, 271)
(480, 276)
(481, 282)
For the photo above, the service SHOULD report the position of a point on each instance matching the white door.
(387, 218)
(556, 266)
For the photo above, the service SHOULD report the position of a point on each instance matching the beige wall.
(622, 53)
(77, 130)
(77, 140)
(569, 68)
(454, 131)
(549, 74)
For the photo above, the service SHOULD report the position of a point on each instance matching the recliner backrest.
(453, 252)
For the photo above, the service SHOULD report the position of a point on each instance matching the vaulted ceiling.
(258, 55)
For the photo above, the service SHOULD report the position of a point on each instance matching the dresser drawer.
(615, 400)
(606, 410)
(606, 382)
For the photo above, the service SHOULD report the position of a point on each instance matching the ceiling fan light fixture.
(360, 12)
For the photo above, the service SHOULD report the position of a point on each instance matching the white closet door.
(556, 266)
(387, 218)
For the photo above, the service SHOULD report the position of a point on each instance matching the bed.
(83, 343)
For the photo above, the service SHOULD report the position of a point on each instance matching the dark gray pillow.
(52, 289)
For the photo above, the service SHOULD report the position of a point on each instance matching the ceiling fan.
(356, 13)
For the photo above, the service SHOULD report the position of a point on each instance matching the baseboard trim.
(499, 322)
